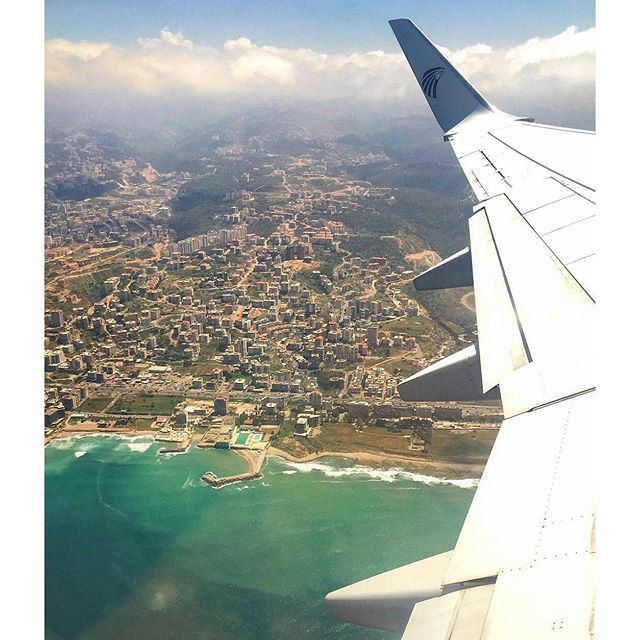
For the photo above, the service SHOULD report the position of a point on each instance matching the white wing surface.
(523, 563)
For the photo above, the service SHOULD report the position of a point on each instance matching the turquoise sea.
(138, 548)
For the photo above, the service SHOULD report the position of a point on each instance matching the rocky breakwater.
(255, 460)
(220, 481)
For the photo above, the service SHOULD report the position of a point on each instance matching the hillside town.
(272, 322)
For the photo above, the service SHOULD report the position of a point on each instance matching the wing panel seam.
(563, 399)
(509, 292)
(565, 226)
(548, 204)
(568, 186)
(502, 176)
(579, 259)
(553, 253)
(554, 474)
(544, 166)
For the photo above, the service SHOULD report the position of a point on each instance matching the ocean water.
(137, 547)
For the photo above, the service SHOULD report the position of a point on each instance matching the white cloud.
(467, 55)
(259, 63)
(241, 44)
(173, 65)
(175, 39)
(83, 49)
(571, 43)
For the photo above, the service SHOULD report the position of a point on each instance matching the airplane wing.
(523, 564)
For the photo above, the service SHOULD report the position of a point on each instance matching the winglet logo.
(430, 80)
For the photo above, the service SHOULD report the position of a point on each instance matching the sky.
(327, 25)
(528, 58)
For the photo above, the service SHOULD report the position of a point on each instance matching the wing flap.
(502, 349)
(455, 616)
(534, 318)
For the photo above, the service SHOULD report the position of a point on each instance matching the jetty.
(220, 481)
(255, 460)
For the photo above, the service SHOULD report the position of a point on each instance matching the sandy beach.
(254, 459)
(438, 468)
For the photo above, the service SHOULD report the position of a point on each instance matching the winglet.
(451, 98)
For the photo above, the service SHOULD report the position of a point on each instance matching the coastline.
(438, 468)
(81, 433)
(255, 460)
(70, 432)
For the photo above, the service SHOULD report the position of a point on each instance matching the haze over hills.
(172, 101)
(171, 97)
(187, 128)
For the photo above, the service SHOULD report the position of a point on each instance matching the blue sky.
(323, 25)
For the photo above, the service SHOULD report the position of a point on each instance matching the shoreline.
(438, 468)
(82, 433)
(256, 460)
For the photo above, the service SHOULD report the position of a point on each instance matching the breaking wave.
(90, 441)
(66, 443)
(141, 447)
(87, 442)
(392, 474)
(138, 444)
